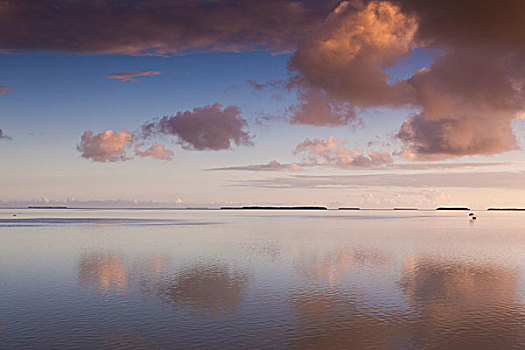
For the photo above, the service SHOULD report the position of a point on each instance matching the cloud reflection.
(104, 270)
(208, 287)
(448, 305)
(329, 266)
(464, 306)
(332, 318)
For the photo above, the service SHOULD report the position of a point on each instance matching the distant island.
(45, 207)
(349, 208)
(273, 208)
(506, 209)
(405, 209)
(452, 208)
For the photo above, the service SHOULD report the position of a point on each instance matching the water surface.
(173, 279)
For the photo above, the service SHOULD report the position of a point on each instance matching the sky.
(374, 104)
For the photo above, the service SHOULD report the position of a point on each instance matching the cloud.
(455, 165)
(269, 84)
(341, 65)
(142, 27)
(130, 76)
(204, 128)
(514, 180)
(347, 56)
(320, 153)
(108, 146)
(3, 136)
(420, 166)
(426, 198)
(316, 108)
(468, 100)
(459, 23)
(73, 202)
(155, 151)
(270, 166)
(331, 152)
(5, 89)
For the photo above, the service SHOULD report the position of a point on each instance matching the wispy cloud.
(130, 76)
(502, 179)
(320, 153)
(369, 164)
(3, 136)
(5, 89)
(270, 166)
(269, 84)
(73, 202)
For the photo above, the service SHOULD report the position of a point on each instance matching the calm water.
(153, 279)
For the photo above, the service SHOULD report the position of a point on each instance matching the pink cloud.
(155, 151)
(469, 99)
(130, 76)
(320, 153)
(270, 166)
(333, 153)
(108, 146)
(347, 55)
(316, 108)
(204, 128)
(5, 89)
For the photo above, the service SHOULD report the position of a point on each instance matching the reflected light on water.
(266, 282)
(211, 287)
(466, 306)
(104, 270)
